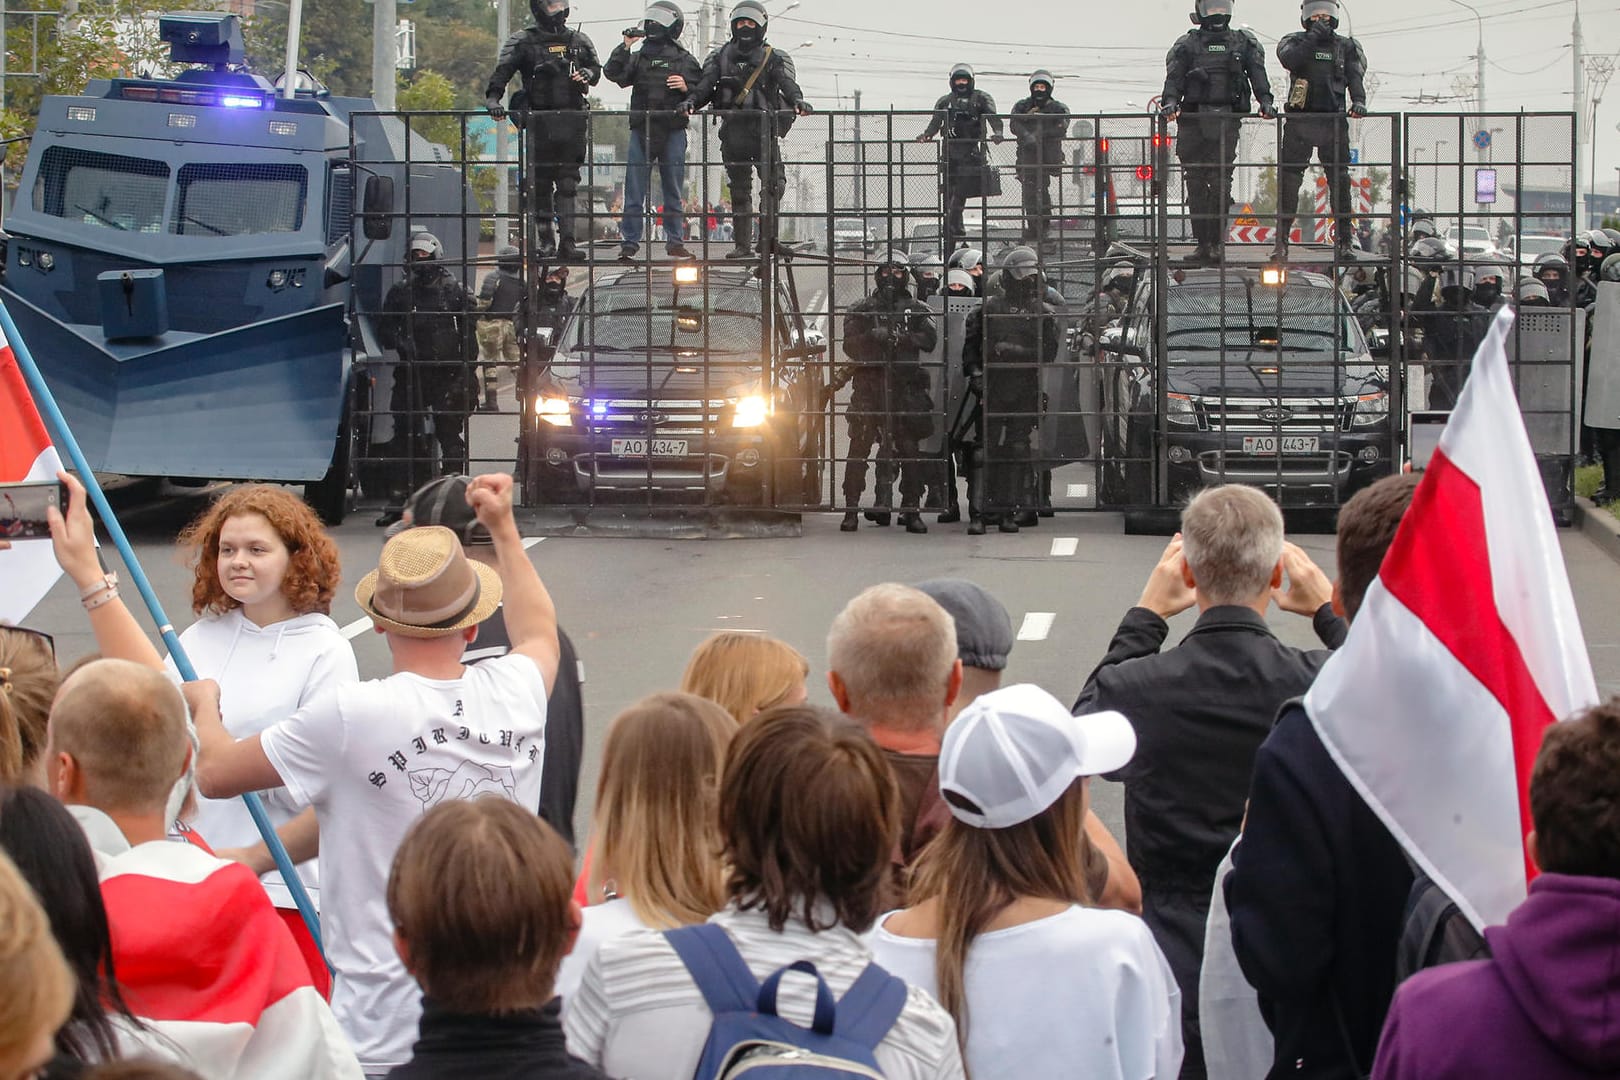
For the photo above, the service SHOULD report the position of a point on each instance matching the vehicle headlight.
(554, 410)
(1181, 410)
(46, 261)
(751, 411)
(1371, 409)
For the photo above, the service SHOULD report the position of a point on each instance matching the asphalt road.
(637, 607)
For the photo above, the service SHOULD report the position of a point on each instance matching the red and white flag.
(28, 570)
(1467, 646)
(205, 961)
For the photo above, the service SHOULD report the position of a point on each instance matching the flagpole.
(52, 414)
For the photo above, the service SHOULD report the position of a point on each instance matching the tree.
(463, 54)
(334, 43)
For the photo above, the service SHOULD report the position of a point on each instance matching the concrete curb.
(1598, 525)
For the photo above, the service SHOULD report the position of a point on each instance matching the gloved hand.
(803, 108)
(684, 108)
(496, 109)
(1267, 112)
(998, 138)
(1170, 109)
(1357, 111)
(1320, 30)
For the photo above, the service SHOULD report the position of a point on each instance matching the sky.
(1109, 57)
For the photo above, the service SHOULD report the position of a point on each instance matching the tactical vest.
(1320, 85)
(1216, 75)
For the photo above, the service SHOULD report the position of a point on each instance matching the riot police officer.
(1039, 123)
(1553, 272)
(927, 270)
(1452, 330)
(427, 318)
(963, 115)
(1208, 77)
(659, 73)
(558, 67)
(890, 409)
(1489, 282)
(1004, 343)
(971, 262)
(500, 298)
(754, 87)
(1325, 86)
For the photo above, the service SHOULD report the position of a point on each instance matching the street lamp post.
(1438, 143)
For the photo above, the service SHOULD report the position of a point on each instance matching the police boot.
(976, 527)
(851, 522)
(882, 499)
(567, 250)
(742, 225)
(491, 403)
(913, 522)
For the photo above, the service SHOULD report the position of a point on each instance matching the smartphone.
(1427, 427)
(23, 506)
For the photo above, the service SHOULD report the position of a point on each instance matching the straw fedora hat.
(426, 587)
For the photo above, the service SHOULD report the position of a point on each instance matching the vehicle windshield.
(626, 318)
(109, 191)
(237, 200)
(1294, 319)
(1473, 234)
(1540, 245)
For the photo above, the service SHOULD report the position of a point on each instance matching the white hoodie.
(265, 674)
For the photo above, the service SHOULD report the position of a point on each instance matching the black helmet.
(1614, 235)
(1311, 8)
(1610, 270)
(1021, 274)
(962, 71)
(1552, 261)
(1489, 281)
(969, 259)
(1600, 246)
(754, 12)
(1428, 251)
(1041, 75)
(663, 19)
(1455, 276)
(509, 259)
(893, 272)
(1212, 14)
(550, 14)
(1533, 292)
(926, 264)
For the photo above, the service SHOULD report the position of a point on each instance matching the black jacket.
(502, 294)
(1332, 69)
(727, 71)
(1039, 127)
(1216, 70)
(427, 316)
(964, 118)
(1451, 335)
(1200, 711)
(1006, 344)
(867, 340)
(525, 1045)
(646, 72)
(542, 58)
(1317, 896)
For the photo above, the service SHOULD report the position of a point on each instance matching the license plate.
(649, 447)
(1280, 444)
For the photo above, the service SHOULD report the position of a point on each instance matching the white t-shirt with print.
(372, 758)
(1085, 992)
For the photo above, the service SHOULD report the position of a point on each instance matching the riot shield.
(1603, 372)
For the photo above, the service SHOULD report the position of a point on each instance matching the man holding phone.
(658, 70)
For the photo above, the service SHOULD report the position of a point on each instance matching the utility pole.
(384, 54)
(860, 154)
(1580, 114)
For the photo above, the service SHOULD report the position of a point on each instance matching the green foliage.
(334, 43)
(431, 92)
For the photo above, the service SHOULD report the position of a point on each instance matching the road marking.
(1079, 491)
(530, 541)
(1063, 546)
(356, 628)
(1036, 625)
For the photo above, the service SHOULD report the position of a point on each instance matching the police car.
(677, 383)
(1268, 381)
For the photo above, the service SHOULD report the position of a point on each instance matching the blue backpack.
(750, 1040)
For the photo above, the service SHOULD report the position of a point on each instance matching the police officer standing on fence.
(1324, 88)
(1039, 123)
(659, 73)
(890, 409)
(558, 67)
(963, 115)
(427, 318)
(753, 86)
(1208, 78)
(1004, 343)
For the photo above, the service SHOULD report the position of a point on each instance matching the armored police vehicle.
(182, 265)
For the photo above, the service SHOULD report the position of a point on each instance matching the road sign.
(1355, 156)
(1482, 140)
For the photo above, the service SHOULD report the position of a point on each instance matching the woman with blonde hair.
(28, 681)
(1001, 931)
(36, 984)
(746, 673)
(655, 860)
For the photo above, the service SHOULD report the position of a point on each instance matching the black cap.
(984, 632)
(444, 502)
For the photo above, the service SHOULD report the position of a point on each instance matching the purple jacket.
(1546, 1005)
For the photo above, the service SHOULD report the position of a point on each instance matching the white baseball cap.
(1012, 752)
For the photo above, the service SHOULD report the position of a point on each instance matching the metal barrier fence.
(761, 383)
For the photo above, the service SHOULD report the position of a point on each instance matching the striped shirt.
(638, 1015)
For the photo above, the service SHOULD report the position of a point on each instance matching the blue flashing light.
(239, 101)
(599, 408)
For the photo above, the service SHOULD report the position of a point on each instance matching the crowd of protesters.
(911, 885)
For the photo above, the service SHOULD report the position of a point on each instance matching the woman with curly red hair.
(266, 572)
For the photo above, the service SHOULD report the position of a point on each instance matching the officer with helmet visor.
(1489, 283)
(928, 271)
(1209, 75)
(885, 335)
(1453, 328)
(752, 84)
(971, 262)
(963, 115)
(659, 71)
(1553, 272)
(1039, 123)
(1325, 87)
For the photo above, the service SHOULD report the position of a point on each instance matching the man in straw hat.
(373, 757)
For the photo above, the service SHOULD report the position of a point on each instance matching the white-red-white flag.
(28, 570)
(1467, 646)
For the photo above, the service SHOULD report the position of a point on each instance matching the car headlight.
(751, 411)
(1371, 409)
(554, 410)
(1181, 410)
